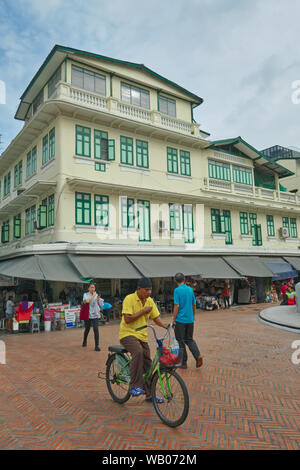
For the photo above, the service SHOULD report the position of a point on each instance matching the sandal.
(135, 392)
(158, 400)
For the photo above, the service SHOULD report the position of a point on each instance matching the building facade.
(111, 161)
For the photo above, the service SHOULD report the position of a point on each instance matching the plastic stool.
(35, 325)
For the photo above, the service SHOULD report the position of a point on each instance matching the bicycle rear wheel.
(172, 388)
(116, 379)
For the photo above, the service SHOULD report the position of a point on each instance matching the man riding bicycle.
(137, 309)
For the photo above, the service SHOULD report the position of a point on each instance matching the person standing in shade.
(93, 299)
(183, 317)
(9, 312)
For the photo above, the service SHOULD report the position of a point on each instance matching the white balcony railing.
(237, 188)
(69, 93)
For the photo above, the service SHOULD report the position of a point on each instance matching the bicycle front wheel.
(116, 380)
(171, 387)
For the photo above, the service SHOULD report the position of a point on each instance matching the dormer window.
(167, 106)
(135, 95)
(88, 80)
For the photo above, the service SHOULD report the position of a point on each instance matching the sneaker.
(158, 399)
(199, 361)
(83, 344)
(135, 392)
(97, 348)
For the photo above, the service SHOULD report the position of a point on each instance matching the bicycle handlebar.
(152, 327)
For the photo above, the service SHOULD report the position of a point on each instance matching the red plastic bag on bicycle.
(168, 358)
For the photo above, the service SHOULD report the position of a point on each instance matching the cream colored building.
(111, 162)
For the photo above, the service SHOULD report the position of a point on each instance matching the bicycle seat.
(118, 349)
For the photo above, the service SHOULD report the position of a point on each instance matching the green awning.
(294, 261)
(249, 266)
(104, 266)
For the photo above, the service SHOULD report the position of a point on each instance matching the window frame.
(103, 208)
(172, 160)
(83, 209)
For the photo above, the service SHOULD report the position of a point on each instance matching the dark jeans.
(184, 335)
(94, 323)
(140, 363)
(226, 301)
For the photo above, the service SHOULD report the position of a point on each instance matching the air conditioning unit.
(161, 225)
(284, 232)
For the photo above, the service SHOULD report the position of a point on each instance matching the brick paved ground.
(246, 396)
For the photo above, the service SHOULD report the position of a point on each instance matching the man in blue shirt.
(183, 317)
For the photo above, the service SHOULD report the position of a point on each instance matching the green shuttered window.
(17, 226)
(127, 212)
(185, 163)
(172, 160)
(142, 157)
(83, 209)
(83, 141)
(18, 174)
(101, 210)
(126, 150)
(174, 214)
(244, 223)
(242, 175)
(5, 232)
(219, 170)
(270, 226)
(293, 225)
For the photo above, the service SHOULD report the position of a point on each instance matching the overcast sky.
(240, 56)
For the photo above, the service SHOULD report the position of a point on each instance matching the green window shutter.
(174, 215)
(52, 144)
(83, 209)
(28, 165)
(127, 212)
(27, 221)
(83, 141)
(124, 220)
(144, 220)
(253, 220)
(227, 226)
(259, 235)
(293, 225)
(172, 160)
(16, 176)
(126, 150)
(285, 223)
(222, 227)
(219, 170)
(270, 226)
(51, 210)
(42, 216)
(142, 158)
(215, 220)
(101, 204)
(242, 175)
(32, 218)
(33, 161)
(111, 150)
(100, 166)
(185, 163)
(5, 232)
(45, 152)
(100, 144)
(188, 223)
(17, 226)
(244, 223)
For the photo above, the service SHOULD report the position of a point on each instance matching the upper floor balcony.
(113, 106)
(220, 186)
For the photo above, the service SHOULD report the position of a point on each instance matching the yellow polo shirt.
(131, 305)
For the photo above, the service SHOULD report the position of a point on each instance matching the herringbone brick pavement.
(246, 395)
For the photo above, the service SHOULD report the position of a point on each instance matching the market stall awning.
(251, 266)
(213, 267)
(54, 267)
(280, 268)
(163, 266)
(104, 267)
(294, 261)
